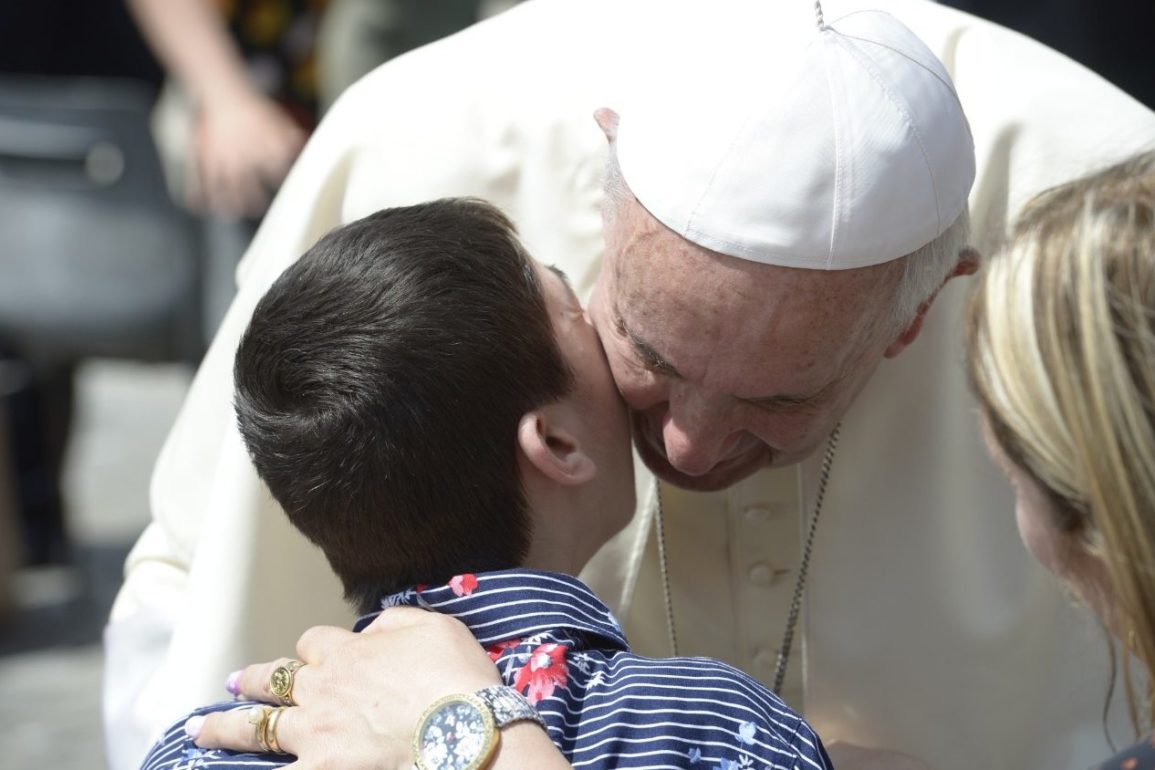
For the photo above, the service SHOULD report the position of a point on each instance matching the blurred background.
(140, 142)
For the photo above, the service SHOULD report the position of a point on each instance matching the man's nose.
(697, 432)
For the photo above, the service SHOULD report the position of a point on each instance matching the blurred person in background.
(42, 42)
(251, 71)
(250, 80)
(249, 119)
(250, 67)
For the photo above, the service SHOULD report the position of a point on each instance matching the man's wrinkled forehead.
(694, 310)
(653, 263)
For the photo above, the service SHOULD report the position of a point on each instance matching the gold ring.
(259, 719)
(271, 730)
(281, 681)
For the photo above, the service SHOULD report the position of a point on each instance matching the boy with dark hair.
(378, 387)
(433, 409)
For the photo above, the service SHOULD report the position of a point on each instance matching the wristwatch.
(460, 732)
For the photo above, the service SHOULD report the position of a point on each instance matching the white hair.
(924, 271)
(614, 187)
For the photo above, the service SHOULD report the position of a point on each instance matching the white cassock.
(926, 625)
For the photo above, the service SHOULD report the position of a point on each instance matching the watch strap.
(508, 705)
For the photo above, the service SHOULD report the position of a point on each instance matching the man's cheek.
(787, 433)
(639, 392)
(624, 377)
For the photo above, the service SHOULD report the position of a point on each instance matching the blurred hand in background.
(243, 141)
(243, 146)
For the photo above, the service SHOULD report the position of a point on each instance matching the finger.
(316, 644)
(200, 183)
(212, 172)
(194, 192)
(230, 730)
(218, 191)
(287, 730)
(255, 681)
(250, 194)
(235, 730)
(239, 188)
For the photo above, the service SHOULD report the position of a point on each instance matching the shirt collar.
(511, 604)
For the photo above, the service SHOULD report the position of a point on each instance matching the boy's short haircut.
(379, 387)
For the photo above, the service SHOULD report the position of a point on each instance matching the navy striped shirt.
(555, 641)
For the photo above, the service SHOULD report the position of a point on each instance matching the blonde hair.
(1061, 341)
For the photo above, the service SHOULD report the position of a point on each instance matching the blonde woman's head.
(1061, 340)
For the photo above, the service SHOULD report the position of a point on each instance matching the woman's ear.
(552, 449)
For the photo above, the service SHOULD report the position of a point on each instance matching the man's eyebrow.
(654, 361)
(645, 352)
(783, 402)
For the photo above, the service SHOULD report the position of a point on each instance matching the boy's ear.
(552, 449)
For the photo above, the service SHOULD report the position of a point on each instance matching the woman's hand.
(359, 696)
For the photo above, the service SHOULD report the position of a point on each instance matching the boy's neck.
(556, 545)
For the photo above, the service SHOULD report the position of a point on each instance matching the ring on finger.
(259, 719)
(282, 679)
(271, 730)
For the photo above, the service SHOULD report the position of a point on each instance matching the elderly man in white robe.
(921, 627)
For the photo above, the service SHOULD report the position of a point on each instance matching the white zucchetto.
(817, 145)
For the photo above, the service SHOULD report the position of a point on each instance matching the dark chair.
(95, 260)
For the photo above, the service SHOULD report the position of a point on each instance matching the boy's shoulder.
(727, 688)
(701, 709)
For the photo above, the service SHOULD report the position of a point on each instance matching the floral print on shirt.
(604, 707)
(1141, 756)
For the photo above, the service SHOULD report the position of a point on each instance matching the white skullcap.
(828, 147)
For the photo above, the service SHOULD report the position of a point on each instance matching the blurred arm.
(243, 142)
(184, 617)
(192, 42)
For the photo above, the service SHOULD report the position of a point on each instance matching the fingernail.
(233, 683)
(192, 727)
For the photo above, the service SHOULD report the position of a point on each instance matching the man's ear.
(968, 264)
(553, 450)
(608, 122)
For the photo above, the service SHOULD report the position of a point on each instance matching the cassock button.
(762, 574)
(757, 515)
(765, 659)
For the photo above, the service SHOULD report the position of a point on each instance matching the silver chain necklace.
(799, 583)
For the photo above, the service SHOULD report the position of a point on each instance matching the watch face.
(456, 733)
